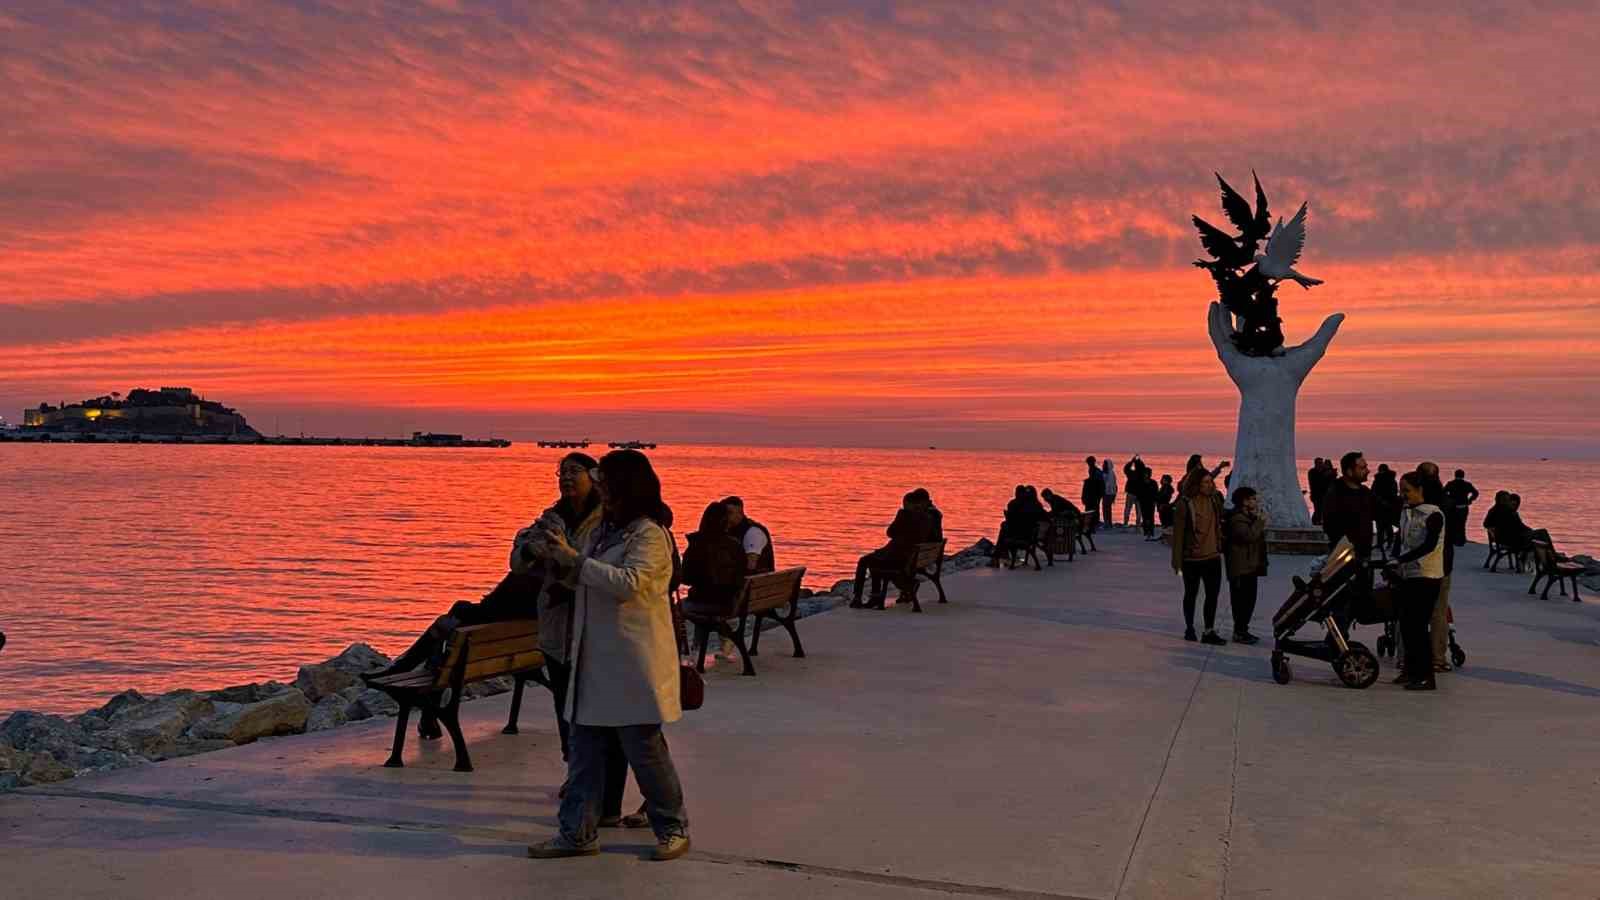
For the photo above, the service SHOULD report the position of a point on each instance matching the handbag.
(691, 687)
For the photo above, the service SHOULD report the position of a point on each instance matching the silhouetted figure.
(914, 524)
(1462, 494)
(1164, 495)
(1386, 505)
(1094, 491)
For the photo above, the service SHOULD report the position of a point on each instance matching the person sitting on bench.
(715, 563)
(1018, 528)
(912, 525)
(755, 537)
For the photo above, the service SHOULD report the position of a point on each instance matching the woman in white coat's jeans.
(623, 681)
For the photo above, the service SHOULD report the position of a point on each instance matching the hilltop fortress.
(167, 411)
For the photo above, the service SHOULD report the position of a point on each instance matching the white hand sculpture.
(1264, 452)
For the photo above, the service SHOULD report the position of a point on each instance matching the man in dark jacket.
(755, 537)
(1348, 507)
(912, 525)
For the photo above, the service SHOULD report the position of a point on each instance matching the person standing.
(1347, 506)
(1108, 474)
(1094, 491)
(1147, 506)
(624, 681)
(1247, 559)
(1433, 492)
(1134, 472)
(1420, 565)
(756, 537)
(1197, 550)
(1385, 505)
(1462, 495)
(1164, 501)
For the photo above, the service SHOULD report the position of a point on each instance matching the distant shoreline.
(71, 437)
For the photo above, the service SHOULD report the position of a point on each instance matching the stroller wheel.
(1385, 646)
(1458, 656)
(1357, 667)
(1281, 673)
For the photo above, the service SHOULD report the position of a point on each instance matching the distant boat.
(566, 445)
(631, 445)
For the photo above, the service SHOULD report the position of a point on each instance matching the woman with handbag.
(624, 678)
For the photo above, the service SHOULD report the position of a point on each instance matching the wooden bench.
(1028, 548)
(475, 653)
(762, 596)
(1517, 558)
(1554, 569)
(927, 562)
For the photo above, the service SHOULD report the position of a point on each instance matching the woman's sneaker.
(1214, 639)
(1245, 637)
(1189, 635)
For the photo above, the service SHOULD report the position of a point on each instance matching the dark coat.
(714, 569)
(1246, 548)
(1349, 512)
(768, 562)
(1094, 490)
(911, 527)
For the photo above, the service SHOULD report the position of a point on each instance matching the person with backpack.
(625, 681)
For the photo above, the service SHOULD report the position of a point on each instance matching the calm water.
(161, 567)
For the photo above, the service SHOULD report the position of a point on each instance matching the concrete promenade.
(1043, 735)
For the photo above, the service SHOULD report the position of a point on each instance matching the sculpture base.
(1297, 541)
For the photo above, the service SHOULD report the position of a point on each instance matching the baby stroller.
(1338, 585)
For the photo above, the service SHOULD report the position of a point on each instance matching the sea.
(157, 567)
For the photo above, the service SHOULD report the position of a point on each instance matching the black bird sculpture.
(1244, 291)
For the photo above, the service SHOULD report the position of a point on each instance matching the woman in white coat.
(623, 678)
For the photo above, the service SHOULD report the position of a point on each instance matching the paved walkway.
(1044, 735)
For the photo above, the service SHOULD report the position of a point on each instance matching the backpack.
(677, 564)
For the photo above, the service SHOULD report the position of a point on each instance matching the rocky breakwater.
(133, 729)
(1591, 571)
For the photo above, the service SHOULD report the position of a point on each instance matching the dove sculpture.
(1248, 337)
(1284, 246)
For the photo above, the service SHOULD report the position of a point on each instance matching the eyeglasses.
(570, 471)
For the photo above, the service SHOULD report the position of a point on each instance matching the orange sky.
(865, 222)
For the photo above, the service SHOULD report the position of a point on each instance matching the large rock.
(328, 713)
(371, 702)
(488, 687)
(122, 701)
(248, 693)
(320, 681)
(152, 729)
(283, 713)
(66, 742)
(43, 768)
(358, 659)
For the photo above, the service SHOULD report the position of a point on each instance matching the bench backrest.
(477, 652)
(930, 555)
(769, 591)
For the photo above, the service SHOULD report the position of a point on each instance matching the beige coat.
(555, 618)
(624, 651)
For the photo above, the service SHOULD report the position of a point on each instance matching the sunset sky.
(823, 222)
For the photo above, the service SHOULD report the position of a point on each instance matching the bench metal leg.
(755, 636)
(794, 634)
(516, 706)
(400, 721)
(1534, 588)
(916, 605)
(451, 718)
